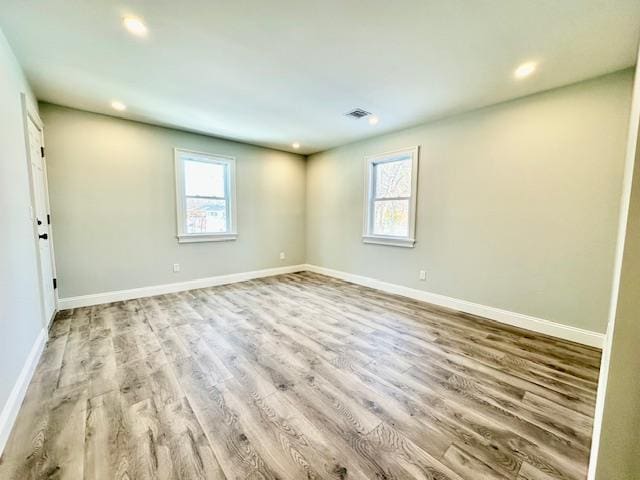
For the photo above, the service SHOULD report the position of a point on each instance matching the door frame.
(29, 113)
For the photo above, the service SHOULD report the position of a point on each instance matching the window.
(205, 189)
(390, 198)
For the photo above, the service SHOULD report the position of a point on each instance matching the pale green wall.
(517, 204)
(619, 455)
(20, 310)
(617, 440)
(112, 190)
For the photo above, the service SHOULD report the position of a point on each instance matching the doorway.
(41, 213)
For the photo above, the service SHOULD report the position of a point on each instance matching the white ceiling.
(271, 72)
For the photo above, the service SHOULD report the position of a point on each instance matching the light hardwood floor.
(301, 376)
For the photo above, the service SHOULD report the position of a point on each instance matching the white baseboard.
(120, 295)
(14, 402)
(540, 325)
(585, 337)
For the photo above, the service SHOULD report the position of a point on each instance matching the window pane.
(391, 217)
(393, 179)
(206, 216)
(204, 179)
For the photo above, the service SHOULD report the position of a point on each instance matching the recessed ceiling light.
(118, 106)
(525, 70)
(135, 26)
(373, 120)
(295, 145)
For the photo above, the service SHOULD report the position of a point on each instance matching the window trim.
(369, 186)
(230, 196)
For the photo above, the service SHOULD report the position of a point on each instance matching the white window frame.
(180, 154)
(369, 198)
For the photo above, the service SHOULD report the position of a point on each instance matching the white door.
(42, 218)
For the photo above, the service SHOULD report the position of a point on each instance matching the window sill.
(391, 241)
(218, 237)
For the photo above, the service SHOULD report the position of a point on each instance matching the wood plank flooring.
(301, 376)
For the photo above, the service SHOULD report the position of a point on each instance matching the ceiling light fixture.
(295, 145)
(373, 120)
(135, 26)
(525, 70)
(118, 106)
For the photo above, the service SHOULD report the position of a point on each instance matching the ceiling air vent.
(357, 113)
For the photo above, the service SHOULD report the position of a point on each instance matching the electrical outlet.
(423, 275)
(282, 256)
(176, 267)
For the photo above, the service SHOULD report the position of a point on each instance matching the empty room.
(356, 239)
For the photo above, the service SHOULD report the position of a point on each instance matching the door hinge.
(55, 283)
(48, 219)
(42, 152)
